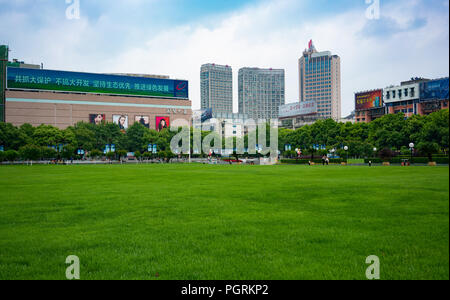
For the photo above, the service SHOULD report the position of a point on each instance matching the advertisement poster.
(121, 120)
(144, 120)
(162, 123)
(367, 100)
(97, 119)
(65, 81)
(298, 109)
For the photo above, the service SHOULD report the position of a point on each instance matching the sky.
(175, 37)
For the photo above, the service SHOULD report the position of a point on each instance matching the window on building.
(399, 93)
(406, 92)
(388, 95)
(413, 91)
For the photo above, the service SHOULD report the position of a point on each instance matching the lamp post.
(411, 147)
(346, 150)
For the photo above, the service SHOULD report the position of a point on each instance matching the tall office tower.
(261, 92)
(216, 84)
(320, 81)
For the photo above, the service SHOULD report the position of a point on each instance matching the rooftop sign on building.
(369, 100)
(77, 82)
(298, 109)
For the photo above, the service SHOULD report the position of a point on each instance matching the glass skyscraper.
(261, 92)
(320, 81)
(216, 85)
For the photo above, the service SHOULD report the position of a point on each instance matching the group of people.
(325, 160)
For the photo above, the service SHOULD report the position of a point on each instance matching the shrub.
(110, 155)
(95, 154)
(49, 153)
(11, 155)
(30, 152)
(306, 161)
(415, 160)
(123, 154)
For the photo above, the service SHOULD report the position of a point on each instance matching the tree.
(84, 136)
(68, 152)
(30, 152)
(386, 154)
(147, 155)
(136, 137)
(110, 155)
(95, 154)
(138, 155)
(2, 156)
(47, 135)
(11, 155)
(11, 137)
(49, 153)
(428, 148)
(122, 154)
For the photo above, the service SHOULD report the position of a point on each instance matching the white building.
(403, 98)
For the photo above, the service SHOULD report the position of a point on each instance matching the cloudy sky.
(175, 37)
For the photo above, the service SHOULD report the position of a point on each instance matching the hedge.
(415, 160)
(306, 161)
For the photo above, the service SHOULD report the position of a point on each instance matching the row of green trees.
(391, 133)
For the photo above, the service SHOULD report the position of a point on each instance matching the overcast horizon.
(175, 37)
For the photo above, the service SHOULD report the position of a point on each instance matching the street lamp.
(346, 150)
(411, 147)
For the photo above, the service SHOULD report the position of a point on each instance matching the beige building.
(320, 81)
(66, 109)
(33, 95)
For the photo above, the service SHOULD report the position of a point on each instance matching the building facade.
(403, 98)
(228, 125)
(434, 96)
(417, 96)
(261, 92)
(369, 106)
(320, 81)
(62, 98)
(216, 88)
(299, 114)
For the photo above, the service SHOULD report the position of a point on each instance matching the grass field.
(223, 222)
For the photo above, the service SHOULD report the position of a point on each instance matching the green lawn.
(224, 222)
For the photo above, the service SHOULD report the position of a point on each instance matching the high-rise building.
(261, 92)
(320, 81)
(216, 84)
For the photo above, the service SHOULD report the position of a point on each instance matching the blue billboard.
(64, 81)
(434, 90)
